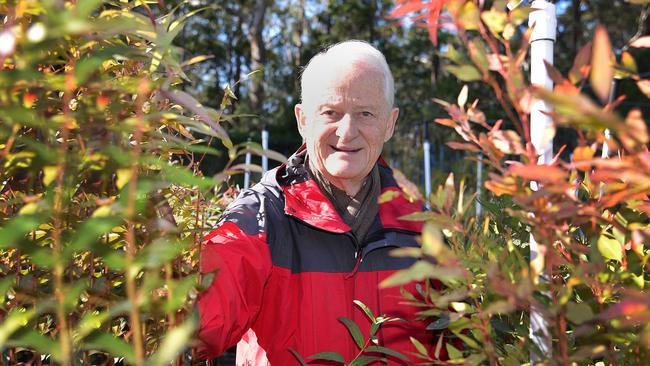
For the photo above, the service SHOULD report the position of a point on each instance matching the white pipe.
(265, 146)
(427, 172)
(543, 18)
(479, 185)
(247, 172)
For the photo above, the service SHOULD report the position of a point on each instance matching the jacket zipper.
(357, 254)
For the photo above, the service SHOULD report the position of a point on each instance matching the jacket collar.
(305, 201)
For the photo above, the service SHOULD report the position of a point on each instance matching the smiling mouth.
(344, 149)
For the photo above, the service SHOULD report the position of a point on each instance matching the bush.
(589, 216)
(102, 203)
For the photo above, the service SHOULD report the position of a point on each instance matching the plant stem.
(57, 213)
(135, 322)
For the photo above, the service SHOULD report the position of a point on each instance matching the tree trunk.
(257, 13)
(577, 24)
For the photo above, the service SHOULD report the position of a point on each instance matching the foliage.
(589, 216)
(370, 351)
(102, 204)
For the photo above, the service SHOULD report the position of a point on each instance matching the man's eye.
(329, 113)
(367, 114)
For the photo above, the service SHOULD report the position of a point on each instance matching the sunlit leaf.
(539, 173)
(641, 42)
(495, 20)
(366, 310)
(602, 71)
(419, 346)
(469, 16)
(628, 62)
(610, 248)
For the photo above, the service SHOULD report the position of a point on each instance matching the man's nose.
(346, 129)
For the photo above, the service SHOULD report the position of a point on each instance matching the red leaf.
(463, 146)
(414, 7)
(407, 7)
(432, 20)
(581, 67)
(539, 173)
(446, 122)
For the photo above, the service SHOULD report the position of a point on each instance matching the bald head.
(341, 56)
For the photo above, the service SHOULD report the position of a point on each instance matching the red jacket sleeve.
(242, 264)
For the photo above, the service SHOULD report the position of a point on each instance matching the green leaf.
(387, 351)
(354, 331)
(610, 248)
(365, 360)
(5, 285)
(578, 313)
(467, 340)
(453, 352)
(202, 112)
(261, 152)
(297, 355)
(478, 54)
(15, 230)
(173, 343)
(440, 323)
(16, 319)
(495, 20)
(180, 289)
(73, 292)
(93, 62)
(30, 338)
(85, 8)
(419, 347)
(328, 356)
(159, 252)
(421, 270)
(474, 360)
(90, 232)
(111, 344)
(366, 310)
(465, 72)
(183, 176)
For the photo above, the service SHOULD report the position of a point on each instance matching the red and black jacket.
(287, 267)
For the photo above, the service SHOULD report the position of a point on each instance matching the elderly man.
(292, 253)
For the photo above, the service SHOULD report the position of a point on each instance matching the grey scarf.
(358, 212)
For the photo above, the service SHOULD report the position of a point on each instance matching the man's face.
(345, 120)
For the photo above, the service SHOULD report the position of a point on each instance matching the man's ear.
(392, 119)
(300, 119)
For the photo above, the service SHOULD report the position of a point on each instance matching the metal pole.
(544, 20)
(247, 172)
(265, 146)
(427, 165)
